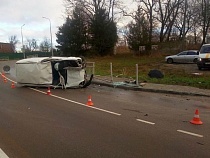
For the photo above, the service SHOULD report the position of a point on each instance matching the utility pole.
(50, 35)
(24, 55)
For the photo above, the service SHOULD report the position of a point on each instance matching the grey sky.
(15, 13)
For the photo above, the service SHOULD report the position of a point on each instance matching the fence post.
(93, 68)
(137, 75)
(111, 72)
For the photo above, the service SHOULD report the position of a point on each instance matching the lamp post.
(22, 41)
(50, 34)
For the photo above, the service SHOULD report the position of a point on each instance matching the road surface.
(121, 124)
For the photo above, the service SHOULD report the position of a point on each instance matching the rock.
(155, 74)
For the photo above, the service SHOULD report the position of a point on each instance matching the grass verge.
(124, 65)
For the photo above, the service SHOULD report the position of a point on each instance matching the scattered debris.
(185, 121)
(142, 84)
(130, 82)
(115, 84)
(200, 143)
(197, 74)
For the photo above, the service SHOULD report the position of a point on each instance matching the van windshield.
(205, 49)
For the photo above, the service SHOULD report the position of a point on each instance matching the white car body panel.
(42, 71)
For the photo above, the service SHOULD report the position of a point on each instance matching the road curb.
(135, 88)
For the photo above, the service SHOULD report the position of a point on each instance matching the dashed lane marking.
(9, 80)
(2, 154)
(190, 133)
(151, 123)
(110, 112)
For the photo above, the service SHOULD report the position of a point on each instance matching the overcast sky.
(16, 13)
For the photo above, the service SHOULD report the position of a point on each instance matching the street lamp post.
(50, 34)
(22, 41)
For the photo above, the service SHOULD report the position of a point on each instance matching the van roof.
(46, 59)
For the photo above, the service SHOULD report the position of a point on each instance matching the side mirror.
(197, 52)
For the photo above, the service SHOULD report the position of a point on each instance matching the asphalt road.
(121, 124)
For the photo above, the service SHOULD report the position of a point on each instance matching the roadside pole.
(111, 72)
(137, 75)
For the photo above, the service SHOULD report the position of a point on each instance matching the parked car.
(188, 56)
(204, 57)
(63, 72)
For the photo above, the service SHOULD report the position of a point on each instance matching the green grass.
(124, 65)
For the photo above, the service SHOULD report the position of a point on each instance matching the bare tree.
(111, 8)
(205, 18)
(14, 41)
(32, 45)
(188, 20)
(149, 10)
(91, 6)
(167, 11)
(45, 45)
(196, 28)
(88, 6)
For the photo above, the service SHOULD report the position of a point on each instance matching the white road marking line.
(151, 123)
(37, 90)
(2, 154)
(110, 112)
(190, 133)
(9, 80)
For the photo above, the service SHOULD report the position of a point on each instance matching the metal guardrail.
(4, 58)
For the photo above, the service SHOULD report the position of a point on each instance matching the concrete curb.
(135, 88)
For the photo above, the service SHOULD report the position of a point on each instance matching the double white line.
(110, 112)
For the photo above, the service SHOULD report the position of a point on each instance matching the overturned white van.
(63, 72)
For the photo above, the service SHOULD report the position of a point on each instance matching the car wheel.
(170, 61)
(195, 60)
(199, 68)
